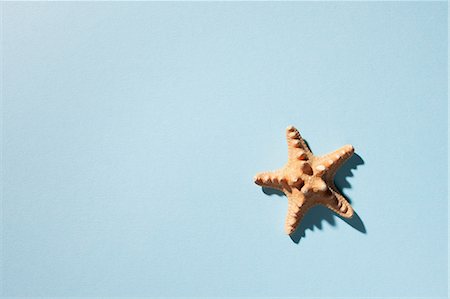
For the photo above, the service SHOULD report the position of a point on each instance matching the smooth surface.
(132, 131)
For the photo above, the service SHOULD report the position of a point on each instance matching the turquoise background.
(132, 131)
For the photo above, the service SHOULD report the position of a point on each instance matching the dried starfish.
(307, 180)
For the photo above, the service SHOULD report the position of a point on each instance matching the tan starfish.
(308, 180)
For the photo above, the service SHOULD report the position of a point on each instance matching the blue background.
(132, 131)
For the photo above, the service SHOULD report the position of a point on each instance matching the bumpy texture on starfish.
(307, 180)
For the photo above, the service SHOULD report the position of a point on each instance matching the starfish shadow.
(316, 215)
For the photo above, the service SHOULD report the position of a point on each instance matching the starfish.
(308, 180)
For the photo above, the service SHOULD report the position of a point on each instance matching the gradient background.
(131, 133)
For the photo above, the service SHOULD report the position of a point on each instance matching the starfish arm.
(270, 179)
(297, 147)
(338, 204)
(332, 161)
(297, 208)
